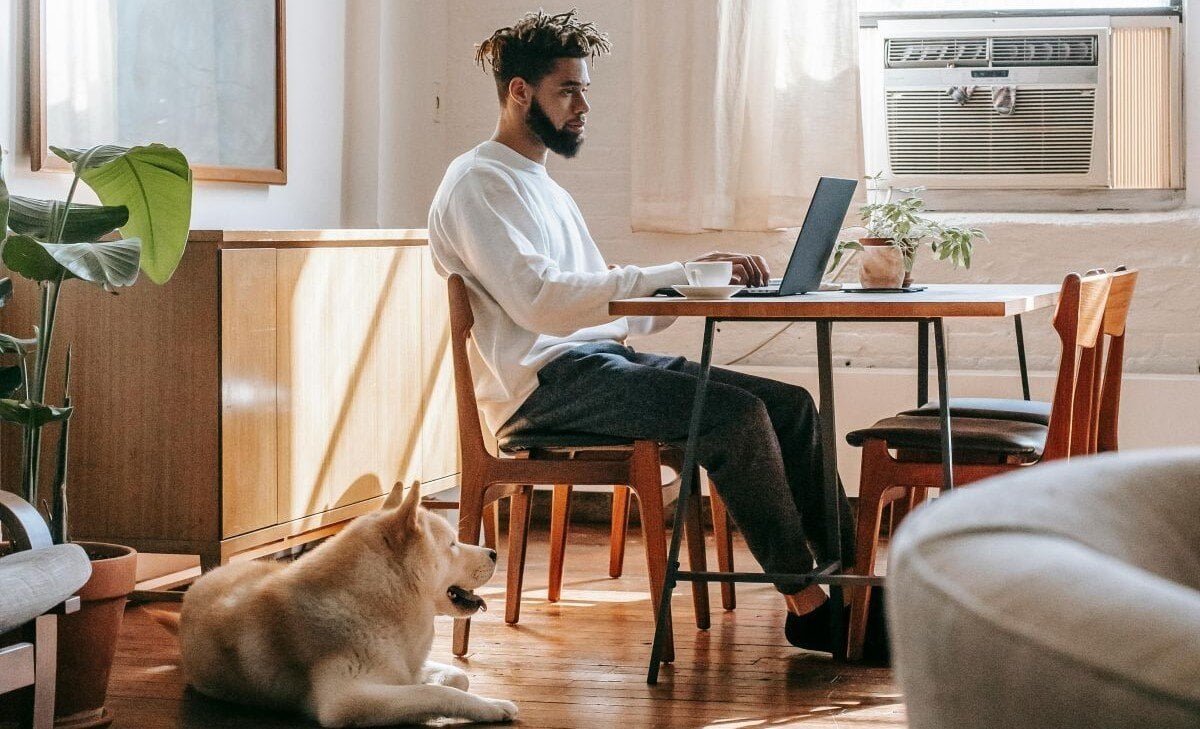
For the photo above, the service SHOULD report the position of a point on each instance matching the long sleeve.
(508, 249)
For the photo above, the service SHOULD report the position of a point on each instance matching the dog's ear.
(407, 513)
(396, 497)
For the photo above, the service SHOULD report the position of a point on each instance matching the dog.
(343, 634)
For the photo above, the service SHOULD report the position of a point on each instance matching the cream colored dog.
(343, 634)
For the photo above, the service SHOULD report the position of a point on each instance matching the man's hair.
(530, 47)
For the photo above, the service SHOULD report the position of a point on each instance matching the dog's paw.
(458, 680)
(499, 710)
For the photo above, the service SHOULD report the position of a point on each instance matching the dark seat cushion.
(998, 408)
(540, 440)
(968, 435)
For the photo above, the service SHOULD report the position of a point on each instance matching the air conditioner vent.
(936, 52)
(1045, 50)
(1049, 132)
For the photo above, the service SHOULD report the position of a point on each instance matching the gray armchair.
(1064, 595)
(36, 582)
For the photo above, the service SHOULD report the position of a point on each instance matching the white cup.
(709, 273)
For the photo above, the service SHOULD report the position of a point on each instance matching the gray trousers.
(759, 440)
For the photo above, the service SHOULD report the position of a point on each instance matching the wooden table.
(929, 307)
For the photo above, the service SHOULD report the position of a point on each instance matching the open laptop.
(815, 243)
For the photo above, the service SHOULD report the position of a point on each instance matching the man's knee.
(736, 413)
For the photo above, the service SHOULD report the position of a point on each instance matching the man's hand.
(748, 269)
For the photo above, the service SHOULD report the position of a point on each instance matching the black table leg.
(939, 341)
(1021, 356)
(833, 533)
(922, 362)
(662, 620)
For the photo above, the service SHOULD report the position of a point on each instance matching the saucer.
(708, 292)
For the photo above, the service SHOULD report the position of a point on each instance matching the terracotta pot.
(881, 264)
(87, 639)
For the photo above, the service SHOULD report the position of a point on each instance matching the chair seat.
(998, 408)
(559, 441)
(969, 435)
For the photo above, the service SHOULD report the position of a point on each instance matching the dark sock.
(811, 630)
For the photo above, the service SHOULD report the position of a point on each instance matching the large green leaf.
(31, 413)
(155, 183)
(109, 264)
(30, 258)
(38, 218)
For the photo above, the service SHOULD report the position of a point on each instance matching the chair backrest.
(470, 431)
(1078, 320)
(1116, 313)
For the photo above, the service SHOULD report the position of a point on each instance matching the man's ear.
(520, 91)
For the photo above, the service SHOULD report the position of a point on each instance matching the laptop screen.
(818, 235)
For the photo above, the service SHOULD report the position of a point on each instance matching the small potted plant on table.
(146, 194)
(893, 231)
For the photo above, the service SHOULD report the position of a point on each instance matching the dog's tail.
(169, 619)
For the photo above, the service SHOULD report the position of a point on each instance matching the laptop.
(814, 244)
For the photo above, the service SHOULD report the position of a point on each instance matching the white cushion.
(1063, 595)
(33, 581)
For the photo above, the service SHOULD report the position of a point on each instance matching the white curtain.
(739, 106)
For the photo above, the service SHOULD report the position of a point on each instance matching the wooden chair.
(37, 582)
(1037, 411)
(982, 447)
(561, 460)
(1105, 425)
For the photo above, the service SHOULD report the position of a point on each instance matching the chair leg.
(45, 651)
(620, 527)
(518, 536)
(874, 488)
(697, 559)
(491, 524)
(470, 512)
(646, 481)
(903, 507)
(723, 536)
(560, 517)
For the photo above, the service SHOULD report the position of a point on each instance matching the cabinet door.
(349, 363)
(439, 421)
(249, 491)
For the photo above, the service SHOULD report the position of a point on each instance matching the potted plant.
(893, 231)
(146, 195)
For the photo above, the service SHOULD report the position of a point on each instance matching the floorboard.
(578, 663)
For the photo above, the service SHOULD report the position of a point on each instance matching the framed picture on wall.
(206, 76)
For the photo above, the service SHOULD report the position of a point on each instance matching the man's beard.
(559, 141)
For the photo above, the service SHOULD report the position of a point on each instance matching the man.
(549, 357)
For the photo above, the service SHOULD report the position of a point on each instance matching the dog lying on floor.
(343, 633)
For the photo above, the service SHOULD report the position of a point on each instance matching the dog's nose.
(492, 554)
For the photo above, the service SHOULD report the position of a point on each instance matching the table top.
(938, 300)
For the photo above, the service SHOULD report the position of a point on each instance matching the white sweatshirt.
(538, 285)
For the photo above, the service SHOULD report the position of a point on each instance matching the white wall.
(313, 196)
(1164, 333)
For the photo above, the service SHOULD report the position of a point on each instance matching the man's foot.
(811, 630)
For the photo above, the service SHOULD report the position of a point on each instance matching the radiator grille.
(1045, 50)
(936, 52)
(1049, 132)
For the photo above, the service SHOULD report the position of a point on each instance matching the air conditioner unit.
(1056, 134)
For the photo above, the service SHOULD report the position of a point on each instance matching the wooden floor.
(578, 663)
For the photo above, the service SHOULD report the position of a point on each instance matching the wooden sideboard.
(276, 387)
